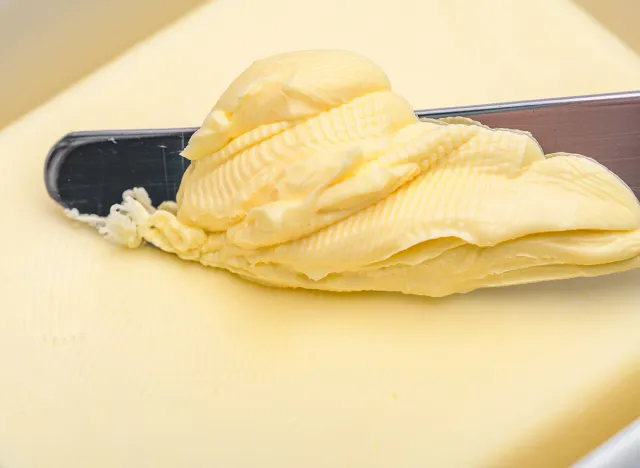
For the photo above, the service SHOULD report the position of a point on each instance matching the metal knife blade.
(90, 170)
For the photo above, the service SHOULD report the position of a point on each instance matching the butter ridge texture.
(311, 172)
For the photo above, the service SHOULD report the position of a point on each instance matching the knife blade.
(90, 170)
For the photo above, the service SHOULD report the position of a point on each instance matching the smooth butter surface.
(121, 358)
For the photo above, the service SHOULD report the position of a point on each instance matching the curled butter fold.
(311, 172)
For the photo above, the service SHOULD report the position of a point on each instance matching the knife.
(90, 170)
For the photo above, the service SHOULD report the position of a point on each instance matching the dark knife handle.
(90, 170)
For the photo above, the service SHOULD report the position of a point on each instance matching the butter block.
(113, 357)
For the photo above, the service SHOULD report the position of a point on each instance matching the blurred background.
(48, 45)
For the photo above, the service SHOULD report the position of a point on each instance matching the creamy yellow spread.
(311, 172)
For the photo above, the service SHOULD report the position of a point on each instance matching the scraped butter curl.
(311, 172)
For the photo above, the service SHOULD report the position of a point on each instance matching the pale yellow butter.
(311, 172)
